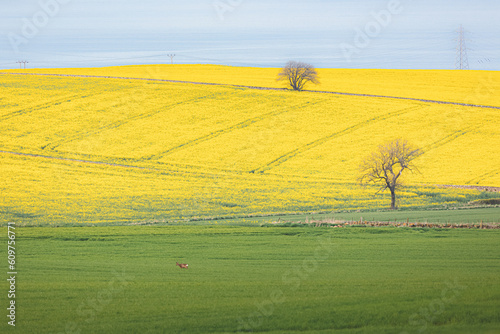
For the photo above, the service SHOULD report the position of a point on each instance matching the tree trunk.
(393, 198)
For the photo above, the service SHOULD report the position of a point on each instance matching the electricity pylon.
(22, 62)
(462, 62)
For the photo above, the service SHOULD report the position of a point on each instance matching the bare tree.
(298, 74)
(386, 165)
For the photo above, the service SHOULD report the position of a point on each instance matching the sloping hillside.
(79, 149)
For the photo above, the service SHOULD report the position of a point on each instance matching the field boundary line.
(259, 88)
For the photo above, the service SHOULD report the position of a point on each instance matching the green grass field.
(255, 279)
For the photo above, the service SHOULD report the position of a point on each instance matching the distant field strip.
(495, 189)
(260, 88)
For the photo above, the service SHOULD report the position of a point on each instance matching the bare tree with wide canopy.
(298, 74)
(386, 165)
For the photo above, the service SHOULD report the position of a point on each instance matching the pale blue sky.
(335, 33)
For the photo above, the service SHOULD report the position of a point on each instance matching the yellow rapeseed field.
(474, 87)
(87, 149)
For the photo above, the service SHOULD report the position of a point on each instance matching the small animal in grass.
(182, 265)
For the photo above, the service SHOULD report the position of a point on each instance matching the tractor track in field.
(259, 88)
(306, 147)
(102, 163)
(133, 164)
(486, 175)
(449, 138)
(130, 166)
(240, 125)
(37, 107)
(114, 125)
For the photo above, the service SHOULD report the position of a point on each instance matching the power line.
(22, 62)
